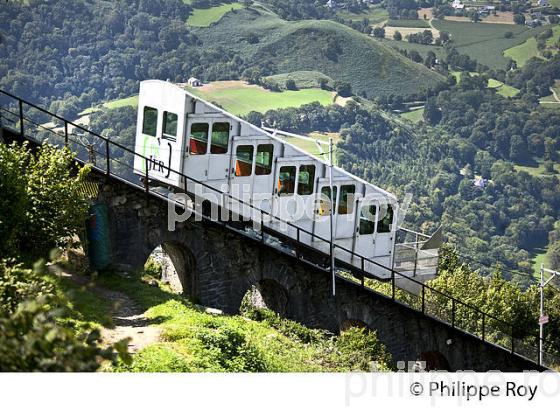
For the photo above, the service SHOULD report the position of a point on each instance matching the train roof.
(270, 135)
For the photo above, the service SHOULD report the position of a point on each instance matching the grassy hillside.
(374, 14)
(303, 79)
(527, 50)
(123, 102)
(325, 46)
(240, 98)
(193, 340)
(485, 42)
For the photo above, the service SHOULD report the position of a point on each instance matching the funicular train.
(177, 130)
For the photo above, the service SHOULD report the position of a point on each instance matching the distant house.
(194, 82)
(457, 5)
(542, 3)
(331, 4)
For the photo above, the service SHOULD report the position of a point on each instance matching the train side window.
(149, 122)
(306, 179)
(244, 161)
(198, 141)
(325, 200)
(384, 225)
(265, 153)
(169, 126)
(220, 138)
(346, 200)
(286, 180)
(368, 215)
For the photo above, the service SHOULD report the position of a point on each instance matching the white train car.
(177, 130)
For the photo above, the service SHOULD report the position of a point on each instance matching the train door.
(374, 230)
(196, 153)
(263, 180)
(242, 173)
(219, 158)
(321, 226)
(285, 203)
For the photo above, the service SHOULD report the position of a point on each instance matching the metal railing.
(429, 301)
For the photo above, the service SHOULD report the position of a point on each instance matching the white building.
(457, 5)
(194, 82)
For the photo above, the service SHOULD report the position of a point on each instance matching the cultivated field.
(409, 23)
(485, 42)
(414, 116)
(373, 14)
(405, 31)
(502, 17)
(303, 79)
(205, 17)
(241, 98)
(311, 148)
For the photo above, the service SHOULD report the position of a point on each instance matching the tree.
(397, 36)
(379, 32)
(291, 85)
(51, 208)
(519, 18)
(508, 34)
(343, 89)
(432, 114)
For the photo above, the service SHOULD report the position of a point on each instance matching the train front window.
(149, 122)
(368, 215)
(346, 200)
(198, 141)
(169, 126)
(384, 225)
(244, 161)
(306, 179)
(220, 138)
(286, 181)
(325, 200)
(263, 162)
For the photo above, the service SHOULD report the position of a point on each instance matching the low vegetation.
(206, 17)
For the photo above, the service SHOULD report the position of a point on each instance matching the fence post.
(108, 156)
(452, 312)
(21, 125)
(393, 284)
(66, 133)
(146, 186)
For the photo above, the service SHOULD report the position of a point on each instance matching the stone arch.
(180, 273)
(268, 293)
(348, 323)
(434, 361)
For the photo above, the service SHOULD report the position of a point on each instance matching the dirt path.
(128, 318)
(554, 94)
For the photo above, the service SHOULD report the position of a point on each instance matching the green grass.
(205, 17)
(537, 260)
(538, 170)
(123, 102)
(303, 79)
(485, 42)
(311, 148)
(422, 49)
(408, 23)
(242, 99)
(501, 88)
(414, 116)
(527, 50)
(373, 14)
(195, 341)
(333, 49)
(523, 52)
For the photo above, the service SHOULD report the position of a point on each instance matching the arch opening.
(268, 294)
(349, 323)
(175, 265)
(434, 361)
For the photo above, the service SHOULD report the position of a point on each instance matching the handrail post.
(108, 157)
(21, 125)
(512, 339)
(262, 226)
(453, 312)
(393, 284)
(146, 186)
(66, 133)
(423, 298)
(483, 326)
